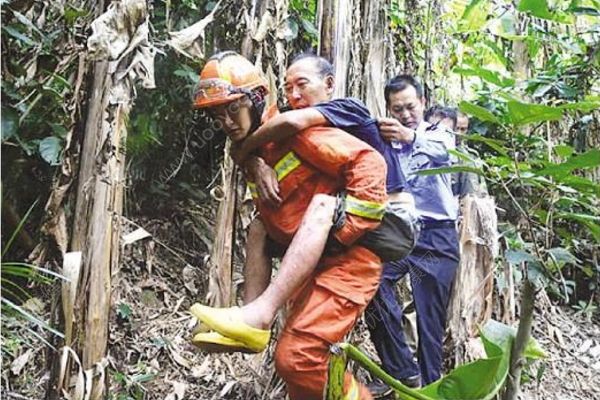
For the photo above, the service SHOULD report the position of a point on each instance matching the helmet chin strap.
(257, 97)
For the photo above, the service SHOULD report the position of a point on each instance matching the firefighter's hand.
(392, 129)
(266, 182)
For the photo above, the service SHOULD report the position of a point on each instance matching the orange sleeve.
(361, 169)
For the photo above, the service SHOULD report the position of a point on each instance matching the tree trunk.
(120, 37)
(374, 77)
(327, 22)
(471, 302)
(220, 293)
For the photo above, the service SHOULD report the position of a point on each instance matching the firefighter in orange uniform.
(312, 167)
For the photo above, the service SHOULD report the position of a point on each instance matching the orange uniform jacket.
(325, 160)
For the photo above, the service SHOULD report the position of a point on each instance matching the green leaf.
(584, 219)
(585, 106)
(309, 27)
(500, 334)
(72, 14)
(589, 159)
(18, 35)
(31, 317)
(579, 183)
(50, 149)
(525, 113)
(141, 378)
(562, 150)
(474, 17)
(477, 111)
(10, 123)
(495, 144)
(449, 170)
(539, 8)
(124, 311)
(562, 256)
(518, 256)
(504, 26)
(485, 74)
(25, 21)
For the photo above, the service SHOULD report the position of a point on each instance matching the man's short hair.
(323, 66)
(441, 113)
(399, 83)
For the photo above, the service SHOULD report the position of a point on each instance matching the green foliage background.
(527, 74)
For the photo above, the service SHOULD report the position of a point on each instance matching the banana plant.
(478, 380)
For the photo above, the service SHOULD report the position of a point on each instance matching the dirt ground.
(150, 356)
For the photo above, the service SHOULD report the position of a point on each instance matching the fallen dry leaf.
(178, 392)
(17, 365)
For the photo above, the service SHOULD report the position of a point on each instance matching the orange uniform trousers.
(320, 314)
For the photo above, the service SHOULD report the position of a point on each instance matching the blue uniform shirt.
(352, 116)
(433, 195)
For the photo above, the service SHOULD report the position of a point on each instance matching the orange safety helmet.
(227, 76)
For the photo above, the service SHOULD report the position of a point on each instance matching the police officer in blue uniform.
(434, 260)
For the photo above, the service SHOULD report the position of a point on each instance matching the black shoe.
(378, 389)
(413, 382)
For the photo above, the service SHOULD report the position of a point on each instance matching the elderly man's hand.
(265, 179)
(238, 153)
(392, 129)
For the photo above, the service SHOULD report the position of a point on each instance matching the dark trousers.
(431, 266)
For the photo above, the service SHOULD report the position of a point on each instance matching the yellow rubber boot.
(214, 342)
(228, 322)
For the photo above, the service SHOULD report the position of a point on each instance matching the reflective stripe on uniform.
(353, 392)
(286, 165)
(253, 191)
(365, 208)
(283, 168)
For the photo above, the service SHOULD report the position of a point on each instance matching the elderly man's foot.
(230, 323)
(379, 389)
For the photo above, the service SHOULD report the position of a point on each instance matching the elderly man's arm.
(276, 129)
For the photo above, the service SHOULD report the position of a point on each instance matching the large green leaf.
(50, 149)
(495, 144)
(474, 17)
(518, 256)
(588, 220)
(540, 9)
(579, 183)
(500, 334)
(589, 159)
(12, 31)
(485, 74)
(479, 380)
(477, 111)
(562, 256)
(585, 106)
(563, 150)
(526, 113)
(309, 27)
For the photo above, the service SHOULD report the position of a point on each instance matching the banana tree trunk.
(120, 42)
(471, 302)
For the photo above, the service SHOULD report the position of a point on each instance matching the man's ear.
(330, 84)
(424, 102)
